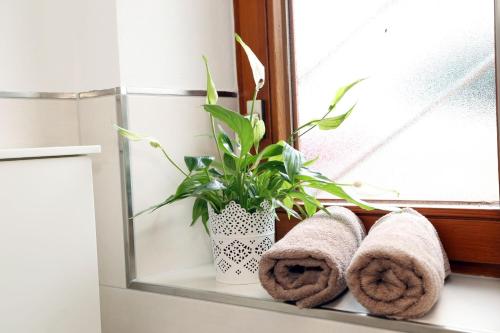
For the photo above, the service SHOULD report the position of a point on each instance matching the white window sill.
(467, 304)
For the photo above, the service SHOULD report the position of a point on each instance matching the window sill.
(467, 304)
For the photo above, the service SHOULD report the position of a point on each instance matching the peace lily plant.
(246, 173)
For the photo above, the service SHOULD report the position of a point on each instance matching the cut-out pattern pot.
(238, 241)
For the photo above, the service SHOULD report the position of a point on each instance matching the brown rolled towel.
(400, 267)
(308, 265)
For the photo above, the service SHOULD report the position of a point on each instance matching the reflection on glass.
(425, 121)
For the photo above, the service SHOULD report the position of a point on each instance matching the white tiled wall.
(163, 240)
(58, 45)
(129, 311)
(161, 43)
(96, 45)
(53, 46)
(38, 123)
(37, 52)
(97, 117)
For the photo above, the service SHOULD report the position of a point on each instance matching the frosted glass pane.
(425, 122)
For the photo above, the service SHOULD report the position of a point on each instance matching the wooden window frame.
(471, 236)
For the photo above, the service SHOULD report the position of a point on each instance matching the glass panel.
(425, 120)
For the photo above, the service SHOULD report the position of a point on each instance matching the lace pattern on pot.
(235, 220)
(238, 241)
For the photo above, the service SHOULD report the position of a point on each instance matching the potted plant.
(237, 193)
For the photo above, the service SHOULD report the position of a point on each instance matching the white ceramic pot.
(238, 241)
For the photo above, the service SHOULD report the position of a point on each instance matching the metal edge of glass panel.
(121, 96)
(497, 77)
(110, 92)
(328, 314)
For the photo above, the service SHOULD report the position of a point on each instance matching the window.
(425, 119)
(438, 59)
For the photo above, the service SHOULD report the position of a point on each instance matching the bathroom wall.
(130, 311)
(38, 46)
(52, 46)
(163, 240)
(37, 54)
(97, 116)
(26, 122)
(160, 45)
(96, 45)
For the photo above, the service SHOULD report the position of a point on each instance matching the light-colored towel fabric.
(308, 265)
(400, 267)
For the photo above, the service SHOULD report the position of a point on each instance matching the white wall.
(53, 46)
(38, 123)
(58, 45)
(96, 49)
(97, 117)
(163, 239)
(129, 311)
(37, 52)
(161, 43)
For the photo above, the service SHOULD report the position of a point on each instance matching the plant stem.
(253, 103)
(330, 109)
(292, 136)
(256, 91)
(172, 161)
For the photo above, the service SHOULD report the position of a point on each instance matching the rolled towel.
(400, 267)
(308, 265)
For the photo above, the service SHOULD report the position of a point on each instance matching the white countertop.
(467, 303)
(44, 152)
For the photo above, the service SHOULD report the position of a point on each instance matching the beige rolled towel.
(400, 267)
(308, 265)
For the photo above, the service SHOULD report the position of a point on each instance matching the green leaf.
(198, 162)
(137, 137)
(151, 209)
(292, 160)
(341, 92)
(225, 143)
(310, 162)
(189, 185)
(194, 185)
(276, 183)
(272, 166)
(288, 202)
(213, 185)
(229, 162)
(239, 124)
(333, 122)
(339, 192)
(216, 173)
(309, 175)
(199, 208)
(269, 151)
(258, 70)
(289, 211)
(205, 224)
(311, 204)
(204, 220)
(211, 91)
